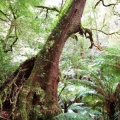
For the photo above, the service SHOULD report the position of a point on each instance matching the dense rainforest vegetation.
(59, 60)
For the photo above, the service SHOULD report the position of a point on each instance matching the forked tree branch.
(88, 34)
(13, 27)
(47, 9)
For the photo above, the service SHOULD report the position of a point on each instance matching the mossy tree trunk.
(39, 87)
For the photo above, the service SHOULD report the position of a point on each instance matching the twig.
(47, 9)
(62, 90)
(61, 5)
(3, 20)
(117, 32)
(6, 15)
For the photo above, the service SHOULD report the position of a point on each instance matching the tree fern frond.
(79, 107)
(91, 85)
(91, 92)
(88, 111)
(72, 116)
(116, 115)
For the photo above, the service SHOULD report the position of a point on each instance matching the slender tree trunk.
(40, 89)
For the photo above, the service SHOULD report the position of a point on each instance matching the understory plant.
(97, 97)
(105, 84)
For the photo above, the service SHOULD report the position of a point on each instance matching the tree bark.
(40, 88)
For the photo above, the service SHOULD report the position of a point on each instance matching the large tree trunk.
(39, 86)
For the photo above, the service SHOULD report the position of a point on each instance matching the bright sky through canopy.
(53, 2)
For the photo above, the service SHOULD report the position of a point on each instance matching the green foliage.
(72, 116)
(86, 110)
(116, 116)
(76, 57)
(104, 76)
(22, 19)
(6, 66)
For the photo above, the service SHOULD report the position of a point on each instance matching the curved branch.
(88, 34)
(62, 90)
(11, 46)
(113, 4)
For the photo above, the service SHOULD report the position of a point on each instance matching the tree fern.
(72, 116)
(104, 75)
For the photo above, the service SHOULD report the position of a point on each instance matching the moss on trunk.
(40, 79)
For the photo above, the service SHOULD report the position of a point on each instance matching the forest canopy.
(59, 60)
